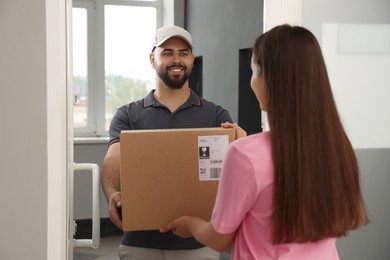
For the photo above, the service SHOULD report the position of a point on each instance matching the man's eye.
(183, 53)
(167, 53)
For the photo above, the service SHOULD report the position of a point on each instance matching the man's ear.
(151, 57)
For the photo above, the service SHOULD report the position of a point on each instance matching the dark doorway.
(195, 80)
(249, 113)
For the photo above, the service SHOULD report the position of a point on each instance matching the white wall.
(31, 227)
(355, 38)
(358, 59)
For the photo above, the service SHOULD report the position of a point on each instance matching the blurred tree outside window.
(111, 46)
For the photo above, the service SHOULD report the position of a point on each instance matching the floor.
(108, 250)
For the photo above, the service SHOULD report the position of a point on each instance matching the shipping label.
(211, 152)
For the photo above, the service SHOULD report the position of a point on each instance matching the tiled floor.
(108, 250)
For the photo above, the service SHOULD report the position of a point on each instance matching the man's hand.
(239, 131)
(115, 209)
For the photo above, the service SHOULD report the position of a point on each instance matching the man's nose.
(176, 57)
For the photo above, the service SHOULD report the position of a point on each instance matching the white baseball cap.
(165, 33)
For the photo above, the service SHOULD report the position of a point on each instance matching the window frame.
(96, 62)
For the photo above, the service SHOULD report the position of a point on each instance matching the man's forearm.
(110, 181)
(110, 174)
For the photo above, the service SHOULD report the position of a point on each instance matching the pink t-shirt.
(244, 203)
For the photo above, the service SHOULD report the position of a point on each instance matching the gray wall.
(23, 185)
(220, 28)
(373, 241)
(86, 152)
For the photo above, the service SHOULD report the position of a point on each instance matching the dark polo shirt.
(148, 113)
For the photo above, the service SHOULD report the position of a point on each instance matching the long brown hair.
(317, 188)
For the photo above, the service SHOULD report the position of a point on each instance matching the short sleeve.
(237, 191)
(223, 116)
(119, 122)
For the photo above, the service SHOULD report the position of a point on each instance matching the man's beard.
(175, 81)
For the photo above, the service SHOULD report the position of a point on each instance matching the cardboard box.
(169, 173)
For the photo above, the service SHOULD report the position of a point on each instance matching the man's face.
(173, 62)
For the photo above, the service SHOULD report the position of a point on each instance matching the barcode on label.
(215, 161)
(214, 173)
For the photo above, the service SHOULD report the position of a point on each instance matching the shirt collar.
(150, 100)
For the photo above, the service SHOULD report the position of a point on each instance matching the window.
(111, 45)
(80, 65)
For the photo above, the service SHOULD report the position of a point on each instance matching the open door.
(196, 78)
(249, 113)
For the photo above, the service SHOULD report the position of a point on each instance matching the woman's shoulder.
(260, 139)
(253, 146)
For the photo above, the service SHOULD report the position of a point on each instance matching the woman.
(290, 192)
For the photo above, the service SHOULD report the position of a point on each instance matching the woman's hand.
(239, 131)
(203, 231)
(179, 227)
